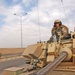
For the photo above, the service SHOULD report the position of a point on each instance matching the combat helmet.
(57, 21)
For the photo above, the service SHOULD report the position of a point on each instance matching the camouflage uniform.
(63, 30)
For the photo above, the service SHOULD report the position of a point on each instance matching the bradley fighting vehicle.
(48, 58)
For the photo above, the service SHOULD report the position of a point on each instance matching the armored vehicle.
(48, 58)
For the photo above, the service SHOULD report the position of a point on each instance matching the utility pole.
(21, 28)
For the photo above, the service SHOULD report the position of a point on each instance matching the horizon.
(49, 11)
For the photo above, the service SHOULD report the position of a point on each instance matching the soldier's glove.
(50, 40)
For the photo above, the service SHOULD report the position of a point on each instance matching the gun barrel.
(52, 65)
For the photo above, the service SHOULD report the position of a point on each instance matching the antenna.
(65, 12)
(38, 20)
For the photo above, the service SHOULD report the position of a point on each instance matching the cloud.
(26, 2)
(48, 10)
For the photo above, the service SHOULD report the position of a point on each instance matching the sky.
(40, 16)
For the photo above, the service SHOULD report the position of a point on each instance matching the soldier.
(58, 29)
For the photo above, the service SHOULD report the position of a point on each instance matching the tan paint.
(53, 51)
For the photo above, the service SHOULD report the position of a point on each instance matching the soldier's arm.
(53, 31)
(51, 38)
(65, 32)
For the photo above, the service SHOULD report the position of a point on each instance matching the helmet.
(57, 21)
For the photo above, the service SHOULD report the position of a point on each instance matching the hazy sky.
(49, 10)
